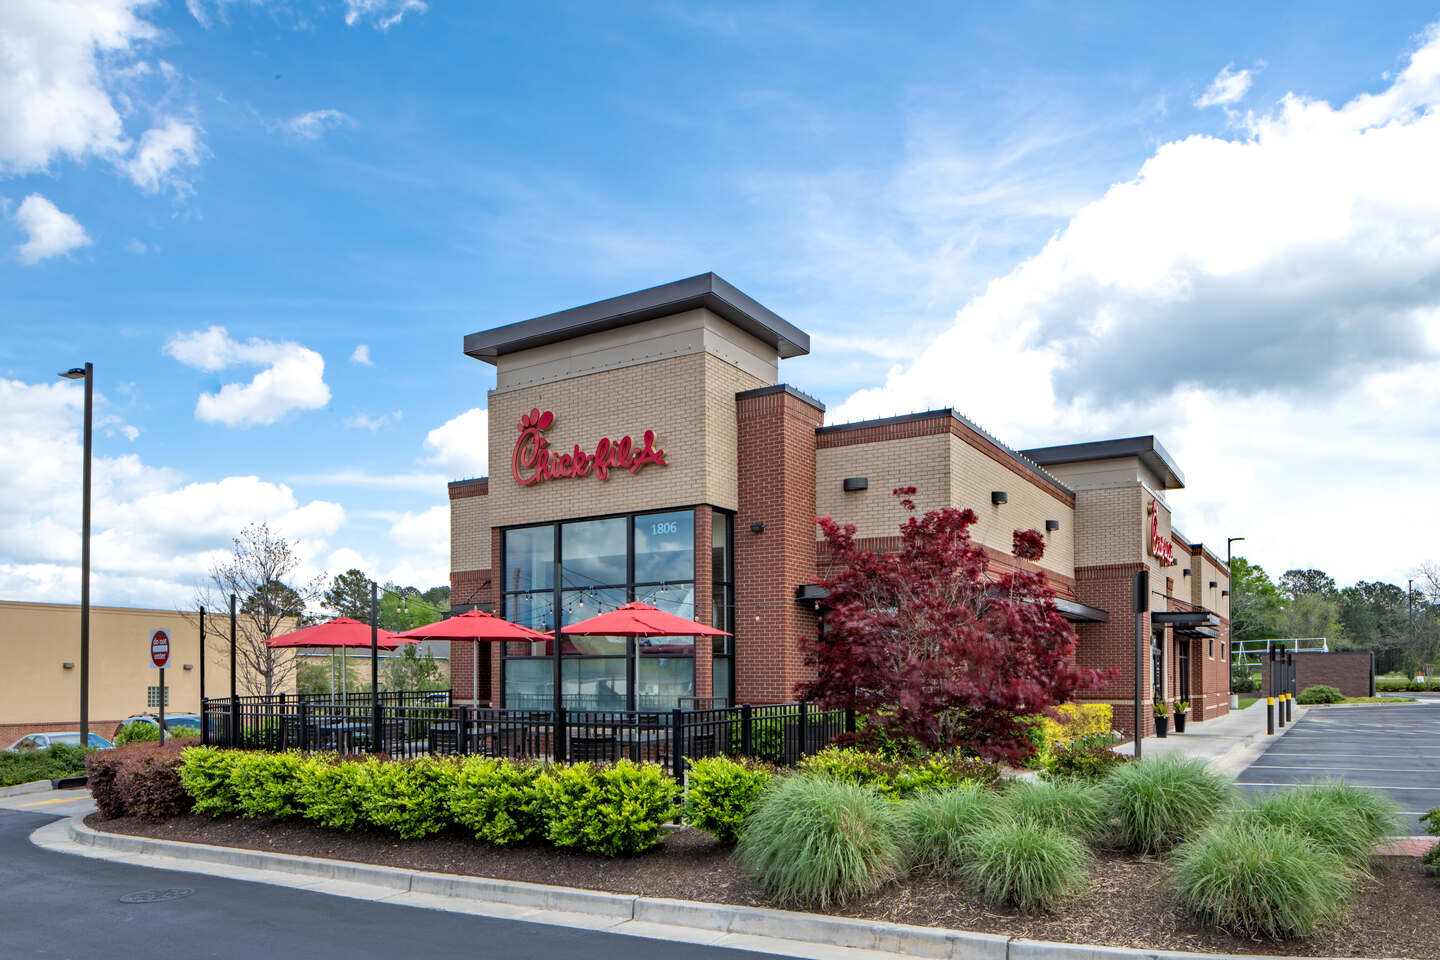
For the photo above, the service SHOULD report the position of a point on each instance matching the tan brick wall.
(1106, 526)
(922, 462)
(973, 476)
(1211, 597)
(469, 534)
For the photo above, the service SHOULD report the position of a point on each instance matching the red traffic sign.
(160, 648)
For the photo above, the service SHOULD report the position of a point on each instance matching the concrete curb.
(20, 789)
(784, 932)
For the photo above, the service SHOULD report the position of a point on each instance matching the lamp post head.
(74, 373)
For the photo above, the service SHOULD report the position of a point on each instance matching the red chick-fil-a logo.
(1160, 547)
(533, 461)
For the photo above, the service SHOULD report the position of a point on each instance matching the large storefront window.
(558, 574)
(722, 606)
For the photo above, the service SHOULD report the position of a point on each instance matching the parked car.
(173, 721)
(39, 741)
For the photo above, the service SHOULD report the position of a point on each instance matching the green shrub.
(898, 778)
(938, 828)
(612, 811)
(409, 797)
(720, 792)
(266, 784)
(101, 769)
(1018, 864)
(1320, 693)
(1084, 758)
(1432, 822)
(1156, 804)
(1070, 806)
(331, 791)
(1391, 684)
(1255, 880)
(137, 732)
(183, 733)
(58, 760)
(496, 800)
(1431, 861)
(205, 774)
(817, 841)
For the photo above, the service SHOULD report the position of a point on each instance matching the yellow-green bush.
(205, 775)
(496, 800)
(331, 791)
(409, 797)
(898, 779)
(720, 792)
(612, 811)
(266, 784)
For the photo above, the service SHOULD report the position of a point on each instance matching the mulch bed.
(1127, 906)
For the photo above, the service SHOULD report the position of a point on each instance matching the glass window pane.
(533, 610)
(592, 553)
(676, 598)
(665, 546)
(719, 547)
(665, 646)
(577, 605)
(529, 684)
(530, 558)
(720, 606)
(591, 683)
(661, 681)
(720, 670)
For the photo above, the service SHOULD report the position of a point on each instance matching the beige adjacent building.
(40, 650)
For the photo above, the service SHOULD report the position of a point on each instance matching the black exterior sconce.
(757, 527)
(1052, 525)
(998, 497)
(1214, 584)
(855, 484)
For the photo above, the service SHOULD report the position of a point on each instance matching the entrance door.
(1157, 664)
(1183, 662)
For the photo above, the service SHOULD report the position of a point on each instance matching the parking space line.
(1279, 766)
(1367, 786)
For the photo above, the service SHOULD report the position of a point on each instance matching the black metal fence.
(418, 724)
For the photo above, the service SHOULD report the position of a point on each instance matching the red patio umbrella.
(475, 625)
(340, 632)
(640, 620)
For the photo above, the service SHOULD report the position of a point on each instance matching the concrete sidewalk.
(1228, 744)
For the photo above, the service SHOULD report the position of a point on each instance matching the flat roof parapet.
(1146, 448)
(705, 290)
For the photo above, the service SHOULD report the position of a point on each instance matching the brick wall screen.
(1351, 672)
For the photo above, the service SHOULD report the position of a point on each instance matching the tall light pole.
(1410, 613)
(1230, 578)
(86, 373)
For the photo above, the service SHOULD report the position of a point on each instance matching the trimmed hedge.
(898, 779)
(720, 793)
(496, 800)
(142, 780)
(1320, 693)
(331, 791)
(137, 732)
(613, 811)
(408, 797)
(59, 760)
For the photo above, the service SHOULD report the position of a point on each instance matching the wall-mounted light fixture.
(757, 527)
(854, 484)
(998, 497)
(1184, 573)
(68, 665)
(188, 666)
(1224, 593)
(1213, 584)
(1052, 525)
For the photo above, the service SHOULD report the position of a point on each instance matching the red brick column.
(1110, 646)
(776, 458)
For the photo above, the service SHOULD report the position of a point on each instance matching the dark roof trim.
(781, 388)
(706, 290)
(1077, 612)
(1022, 459)
(1147, 448)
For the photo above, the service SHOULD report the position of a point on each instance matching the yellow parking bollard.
(1269, 715)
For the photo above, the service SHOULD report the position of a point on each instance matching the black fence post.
(804, 729)
(204, 722)
(560, 748)
(375, 722)
(461, 737)
(233, 740)
(850, 726)
(304, 724)
(677, 744)
(747, 730)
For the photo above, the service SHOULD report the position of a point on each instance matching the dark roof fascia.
(1147, 448)
(1184, 618)
(1077, 612)
(781, 388)
(705, 290)
(1025, 461)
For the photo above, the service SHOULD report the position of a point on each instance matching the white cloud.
(293, 377)
(49, 232)
(383, 14)
(162, 152)
(154, 535)
(1228, 87)
(317, 123)
(361, 356)
(461, 444)
(138, 247)
(363, 421)
(1269, 303)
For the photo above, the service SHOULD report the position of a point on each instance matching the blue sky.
(314, 177)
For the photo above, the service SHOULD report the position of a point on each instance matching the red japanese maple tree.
(926, 644)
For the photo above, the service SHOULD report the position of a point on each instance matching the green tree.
(437, 597)
(349, 596)
(1257, 607)
(410, 669)
(312, 678)
(404, 608)
(1314, 615)
(1374, 615)
(1299, 583)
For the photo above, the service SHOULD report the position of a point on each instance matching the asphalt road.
(1394, 749)
(60, 906)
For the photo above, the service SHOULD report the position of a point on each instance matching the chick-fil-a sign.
(1160, 547)
(533, 461)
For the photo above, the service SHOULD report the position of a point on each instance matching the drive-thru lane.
(1392, 749)
(61, 906)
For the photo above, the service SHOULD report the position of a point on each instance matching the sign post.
(1142, 648)
(159, 656)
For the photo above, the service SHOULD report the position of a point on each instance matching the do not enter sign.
(160, 648)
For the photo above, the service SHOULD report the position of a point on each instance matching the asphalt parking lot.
(1392, 749)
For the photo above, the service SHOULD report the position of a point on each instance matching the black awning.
(1077, 612)
(1188, 623)
(811, 593)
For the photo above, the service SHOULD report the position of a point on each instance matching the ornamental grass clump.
(331, 792)
(1157, 804)
(720, 793)
(1348, 822)
(496, 800)
(1070, 806)
(1027, 867)
(1262, 881)
(812, 841)
(938, 828)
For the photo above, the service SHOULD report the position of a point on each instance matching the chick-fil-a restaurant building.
(646, 447)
